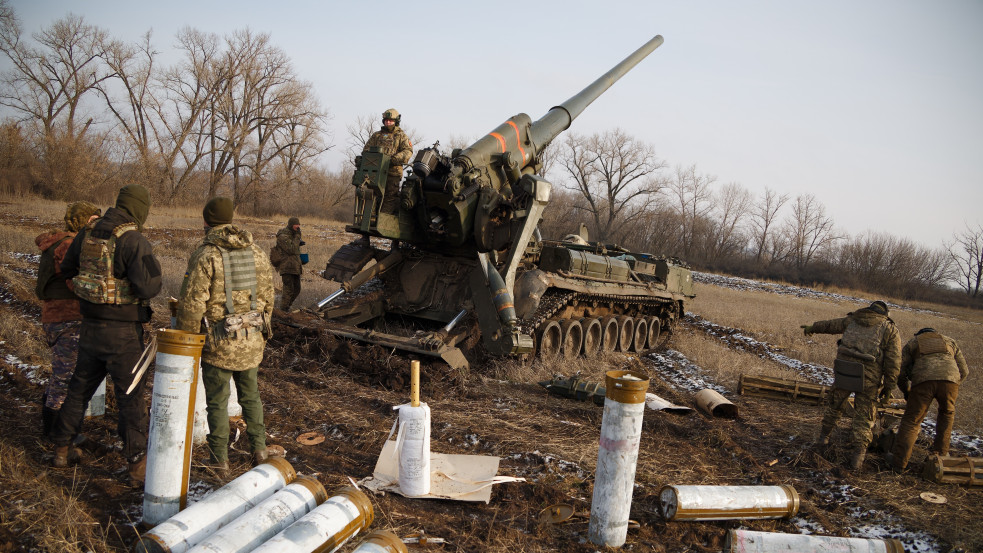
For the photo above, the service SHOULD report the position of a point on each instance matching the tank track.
(556, 299)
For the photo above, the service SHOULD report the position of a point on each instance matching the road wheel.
(593, 333)
(573, 338)
(626, 331)
(549, 339)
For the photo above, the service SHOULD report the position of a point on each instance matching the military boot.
(65, 455)
(824, 436)
(856, 459)
(48, 418)
(137, 472)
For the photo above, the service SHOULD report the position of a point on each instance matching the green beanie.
(135, 200)
(293, 221)
(218, 211)
(78, 214)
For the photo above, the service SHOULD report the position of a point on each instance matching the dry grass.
(775, 319)
(52, 515)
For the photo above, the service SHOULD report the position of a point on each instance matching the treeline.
(618, 187)
(89, 113)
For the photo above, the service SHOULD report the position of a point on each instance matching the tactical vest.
(859, 345)
(49, 286)
(863, 342)
(96, 282)
(239, 267)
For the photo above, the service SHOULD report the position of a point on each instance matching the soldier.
(115, 274)
(229, 286)
(932, 367)
(60, 315)
(288, 241)
(393, 142)
(867, 365)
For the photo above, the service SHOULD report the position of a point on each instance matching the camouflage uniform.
(288, 241)
(934, 366)
(235, 354)
(398, 147)
(880, 372)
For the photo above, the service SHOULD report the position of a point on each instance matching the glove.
(806, 329)
(302, 243)
(885, 398)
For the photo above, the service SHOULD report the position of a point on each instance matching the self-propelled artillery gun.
(467, 265)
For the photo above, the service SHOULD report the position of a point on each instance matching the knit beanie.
(78, 214)
(293, 221)
(135, 200)
(218, 211)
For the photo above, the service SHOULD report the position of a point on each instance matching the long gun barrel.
(525, 139)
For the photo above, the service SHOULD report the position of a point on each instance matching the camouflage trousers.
(390, 198)
(865, 409)
(216, 381)
(63, 339)
(291, 289)
(919, 400)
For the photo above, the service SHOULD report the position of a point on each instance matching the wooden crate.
(782, 389)
(943, 469)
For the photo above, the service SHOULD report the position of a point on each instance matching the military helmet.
(880, 307)
(924, 330)
(391, 113)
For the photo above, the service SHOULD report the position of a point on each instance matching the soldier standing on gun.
(60, 315)
(229, 286)
(868, 359)
(115, 274)
(932, 367)
(394, 143)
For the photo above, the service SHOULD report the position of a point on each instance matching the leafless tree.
(692, 197)
(764, 214)
(616, 176)
(808, 230)
(966, 253)
(726, 236)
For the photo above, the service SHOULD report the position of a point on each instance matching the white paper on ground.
(656, 403)
(459, 477)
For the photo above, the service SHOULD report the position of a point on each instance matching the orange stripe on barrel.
(501, 140)
(518, 141)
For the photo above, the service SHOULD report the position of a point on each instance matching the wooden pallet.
(782, 389)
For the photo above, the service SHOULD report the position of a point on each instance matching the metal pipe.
(747, 541)
(165, 490)
(457, 318)
(728, 502)
(617, 455)
(267, 519)
(330, 298)
(326, 528)
(185, 529)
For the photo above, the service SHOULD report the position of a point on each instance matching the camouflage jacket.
(203, 296)
(288, 240)
(888, 350)
(931, 356)
(394, 144)
(58, 310)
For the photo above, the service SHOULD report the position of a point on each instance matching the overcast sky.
(875, 107)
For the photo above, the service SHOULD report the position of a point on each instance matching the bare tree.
(808, 230)
(692, 197)
(616, 176)
(763, 217)
(966, 253)
(726, 236)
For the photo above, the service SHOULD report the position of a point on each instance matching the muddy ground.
(311, 381)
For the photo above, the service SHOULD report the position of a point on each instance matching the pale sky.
(875, 107)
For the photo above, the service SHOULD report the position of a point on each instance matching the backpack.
(276, 255)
